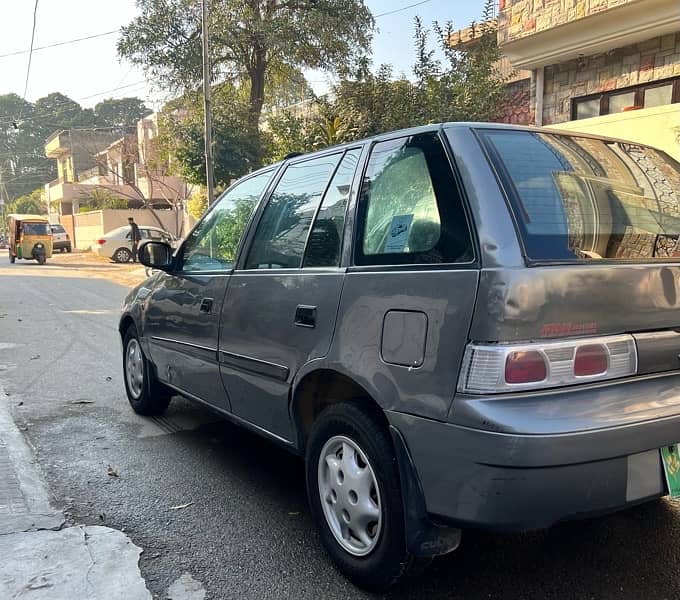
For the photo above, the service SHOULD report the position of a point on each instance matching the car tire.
(147, 395)
(379, 561)
(68, 248)
(12, 258)
(122, 255)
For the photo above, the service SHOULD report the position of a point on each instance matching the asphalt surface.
(246, 532)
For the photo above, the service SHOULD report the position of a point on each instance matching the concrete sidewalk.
(41, 559)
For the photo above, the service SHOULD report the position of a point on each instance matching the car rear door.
(183, 311)
(408, 299)
(282, 302)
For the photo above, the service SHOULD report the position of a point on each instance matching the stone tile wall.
(521, 18)
(651, 60)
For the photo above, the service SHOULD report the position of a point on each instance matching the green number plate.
(670, 456)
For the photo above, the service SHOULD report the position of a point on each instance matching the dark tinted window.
(57, 229)
(214, 243)
(281, 234)
(325, 239)
(583, 198)
(411, 211)
(36, 229)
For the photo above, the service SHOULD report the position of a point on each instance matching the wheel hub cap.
(350, 496)
(134, 368)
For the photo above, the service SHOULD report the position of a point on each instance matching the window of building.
(656, 93)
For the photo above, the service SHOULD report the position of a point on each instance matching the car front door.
(282, 302)
(183, 310)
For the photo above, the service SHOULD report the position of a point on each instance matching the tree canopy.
(252, 41)
(120, 112)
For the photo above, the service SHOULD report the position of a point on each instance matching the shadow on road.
(624, 555)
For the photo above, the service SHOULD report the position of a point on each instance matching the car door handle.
(305, 316)
(206, 305)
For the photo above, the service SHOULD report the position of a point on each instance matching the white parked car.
(60, 239)
(117, 246)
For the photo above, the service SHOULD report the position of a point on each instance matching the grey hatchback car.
(457, 326)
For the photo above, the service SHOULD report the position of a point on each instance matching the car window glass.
(214, 243)
(281, 234)
(411, 211)
(325, 239)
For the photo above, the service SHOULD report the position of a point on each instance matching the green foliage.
(99, 199)
(120, 112)
(231, 226)
(464, 86)
(237, 148)
(251, 41)
(33, 203)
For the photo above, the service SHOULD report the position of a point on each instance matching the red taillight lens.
(101, 242)
(592, 359)
(526, 366)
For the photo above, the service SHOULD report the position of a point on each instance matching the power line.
(30, 52)
(392, 12)
(64, 43)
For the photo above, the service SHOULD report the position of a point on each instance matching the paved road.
(248, 532)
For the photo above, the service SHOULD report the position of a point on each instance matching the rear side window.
(57, 229)
(579, 198)
(325, 240)
(281, 234)
(410, 208)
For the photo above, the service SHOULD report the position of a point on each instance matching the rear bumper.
(517, 482)
(58, 245)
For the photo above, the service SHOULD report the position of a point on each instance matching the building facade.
(610, 67)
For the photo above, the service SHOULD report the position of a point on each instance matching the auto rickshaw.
(30, 238)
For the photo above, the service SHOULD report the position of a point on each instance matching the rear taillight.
(499, 368)
(67, 237)
(101, 242)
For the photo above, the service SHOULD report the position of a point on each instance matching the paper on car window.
(397, 236)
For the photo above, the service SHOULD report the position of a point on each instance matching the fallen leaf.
(111, 472)
(36, 357)
(20, 404)
(181, 506)
(19, 319)
(293, 514)
(82, 402)
(109, 378)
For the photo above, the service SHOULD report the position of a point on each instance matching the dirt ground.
(84, 264)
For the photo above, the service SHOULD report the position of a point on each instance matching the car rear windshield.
(578, 198)
(36, 229)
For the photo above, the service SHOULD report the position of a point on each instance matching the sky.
(90, 71)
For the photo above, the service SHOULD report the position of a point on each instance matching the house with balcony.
(103, 169)
(609, 67)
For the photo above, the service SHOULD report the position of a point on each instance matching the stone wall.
(516, 107)
(521, 18)
(651, 60)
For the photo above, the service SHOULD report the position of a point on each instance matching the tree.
(237, 147)
(120, 112)
(33, 203)
(251, 41)
(197, 204)
(464, 86)
(56, 111)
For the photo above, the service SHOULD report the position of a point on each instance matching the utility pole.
(209, 168)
